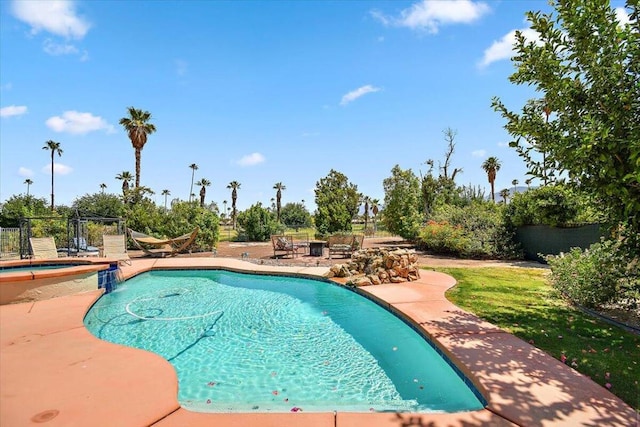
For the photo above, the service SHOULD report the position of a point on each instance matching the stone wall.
(375, 266)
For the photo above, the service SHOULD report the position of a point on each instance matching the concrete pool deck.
(53, 371)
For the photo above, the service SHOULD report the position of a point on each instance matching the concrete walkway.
(53, 371)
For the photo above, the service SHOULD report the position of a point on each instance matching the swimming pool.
(243, 343)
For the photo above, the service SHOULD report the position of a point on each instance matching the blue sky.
(258, 92)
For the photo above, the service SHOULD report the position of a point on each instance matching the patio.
(53, 370)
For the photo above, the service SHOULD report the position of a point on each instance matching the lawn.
(522, 302)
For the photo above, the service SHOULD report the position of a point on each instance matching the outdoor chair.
(115, 247)
(344, 244)
(43, 247)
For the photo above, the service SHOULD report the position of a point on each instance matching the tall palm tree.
(491, 166)
(278, 186)
(366, 200)
(54, 147)
(102, 187)
(28, 181)
(203, 183)
(514, 183)
(125, 177)
(224, 214)
(138, 128)
(528, 182)
(234, 186)
(194, 168)
(165, 193)
(374, 210)
(504, 193)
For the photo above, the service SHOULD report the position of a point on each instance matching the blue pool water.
(36, 267)
(243, 343)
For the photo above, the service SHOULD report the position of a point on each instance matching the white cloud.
(503, 48)
(58, 169)
(622, 16)
(479, 153)
(430, 15)
(56, 49)
(13, 110)
(503, 144)
(251, 159)
(78, 123)
(355, 94)
(27, 173)
(54, 16)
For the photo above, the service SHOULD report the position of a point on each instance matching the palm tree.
(234, 186)
(504, 193)
(102, 187)
(366, 200)
(28, 181)
(194, 168)
(224, 214)
(125, 177)
(55, 148)
(514, 183)
(204, 183)
(165, 193)
(374, 210)
(278, 186)
(491, 166)
(138, 127)
(528, 182)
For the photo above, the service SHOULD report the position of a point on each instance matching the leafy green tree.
(99, 204)
(586, 122)
(257, 224)
(279, 187)
(402, 203)
(54, 147)
(337, 202)
(138, 127)
(184, 216)
(295, 215)
(491, 166)
(21, 206)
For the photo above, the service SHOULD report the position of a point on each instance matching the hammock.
(171, 246)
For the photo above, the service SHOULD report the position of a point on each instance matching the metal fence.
(9, 242)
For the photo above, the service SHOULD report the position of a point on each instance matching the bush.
(483, 228)
(552, 205)
(257, 224)
(444, 238)
(603, 274)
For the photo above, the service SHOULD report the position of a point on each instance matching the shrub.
(444, 238)
(483, 226)
(603, 274)
(552, 205)
(257, 224)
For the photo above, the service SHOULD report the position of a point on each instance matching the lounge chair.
(115, 247)
(43, 247)
(170, 247)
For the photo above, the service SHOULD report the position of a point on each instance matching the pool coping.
(52, 369)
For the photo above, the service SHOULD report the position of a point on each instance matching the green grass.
(522, 302)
